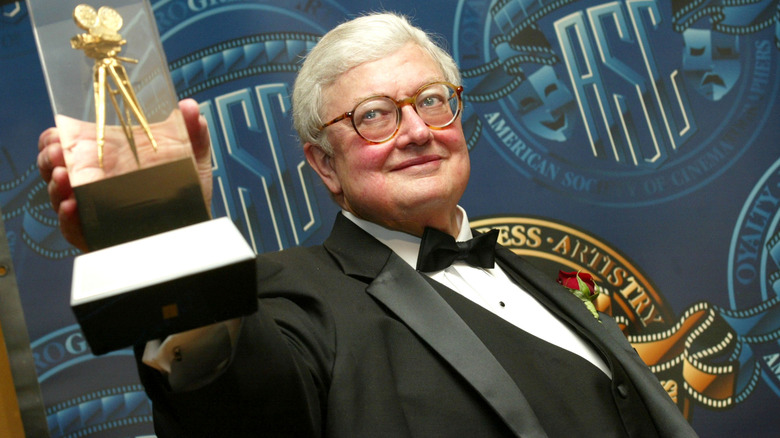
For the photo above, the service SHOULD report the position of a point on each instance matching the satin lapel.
(423, 310)
(358, 253)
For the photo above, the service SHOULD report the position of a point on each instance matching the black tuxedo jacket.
(350, 341)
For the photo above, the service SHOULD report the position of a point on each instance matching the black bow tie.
(439, 250)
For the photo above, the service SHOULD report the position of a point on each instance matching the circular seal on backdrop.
(613, 102)
(632, 300)
(754, 284)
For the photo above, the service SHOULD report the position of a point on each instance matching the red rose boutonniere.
(583, 287)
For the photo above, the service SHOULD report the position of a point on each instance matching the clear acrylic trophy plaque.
(125, 143)
(130, 164)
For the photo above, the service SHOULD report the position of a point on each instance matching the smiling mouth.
(417, 162)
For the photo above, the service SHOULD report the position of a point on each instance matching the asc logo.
(618, 103)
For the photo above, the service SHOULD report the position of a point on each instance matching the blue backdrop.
(635, 139)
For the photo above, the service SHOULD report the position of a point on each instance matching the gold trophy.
(157, 263)
(102, 42)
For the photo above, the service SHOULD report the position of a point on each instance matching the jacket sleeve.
(276, 381)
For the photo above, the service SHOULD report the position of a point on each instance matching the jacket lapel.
(423, 310)
(408, 295)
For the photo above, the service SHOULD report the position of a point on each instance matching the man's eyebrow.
(420, 84)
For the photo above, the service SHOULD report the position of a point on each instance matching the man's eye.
(373, 116)
(430, 101)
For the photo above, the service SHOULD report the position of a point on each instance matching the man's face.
(414, 179)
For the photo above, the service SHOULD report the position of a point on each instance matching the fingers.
(59, 187)
(48, 137)
(197, 128)
(63, 201)
(49, 153)
(70, 224)
(51, 166)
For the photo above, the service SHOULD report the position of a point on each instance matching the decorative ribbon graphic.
(736, 17)
(710, 349)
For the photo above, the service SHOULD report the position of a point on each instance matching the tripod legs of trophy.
(111, 68)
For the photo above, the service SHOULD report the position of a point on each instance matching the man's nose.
(413, 129)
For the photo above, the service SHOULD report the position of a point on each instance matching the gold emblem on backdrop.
(672, 346)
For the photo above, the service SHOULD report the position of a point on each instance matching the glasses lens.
(376, 119)
(437, 104)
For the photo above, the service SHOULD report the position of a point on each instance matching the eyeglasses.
(378, 118)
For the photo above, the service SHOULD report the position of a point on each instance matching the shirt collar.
(403, 244)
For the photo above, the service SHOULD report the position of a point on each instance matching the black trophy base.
(139, 204)
(163, 284)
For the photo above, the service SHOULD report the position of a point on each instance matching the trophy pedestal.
(139, 204)
(163, 284)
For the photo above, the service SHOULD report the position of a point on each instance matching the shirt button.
(501, 303)
(622, 390)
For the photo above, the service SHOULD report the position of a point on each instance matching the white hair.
(363, 39)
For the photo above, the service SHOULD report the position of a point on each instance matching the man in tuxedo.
(367, 335)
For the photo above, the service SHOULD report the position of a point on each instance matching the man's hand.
(198, 130)
(51, 165)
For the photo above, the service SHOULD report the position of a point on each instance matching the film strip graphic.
(712, 350)
(732, 17)
(12, 192)
(40, 227)
(99, 411)
(519, 42)
(277, 52)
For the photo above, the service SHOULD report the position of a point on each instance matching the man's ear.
(322, 163)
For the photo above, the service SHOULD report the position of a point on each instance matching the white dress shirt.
(491, 289)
